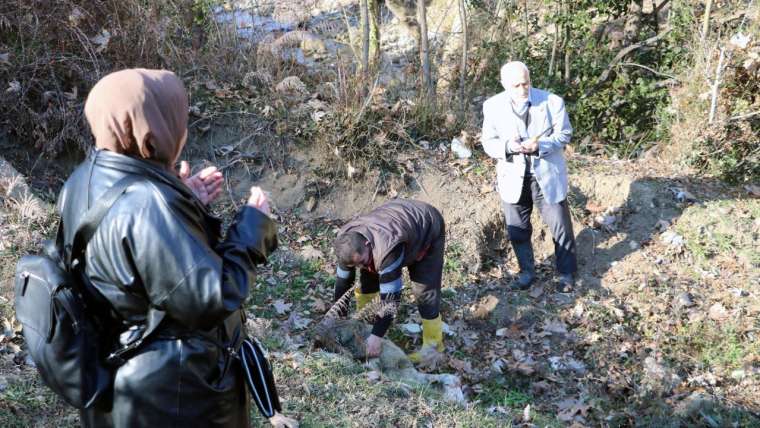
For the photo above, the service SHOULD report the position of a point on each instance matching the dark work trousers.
(556, 216)
(426, 279)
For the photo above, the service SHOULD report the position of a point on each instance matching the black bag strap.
(94, 216)
(87, 227)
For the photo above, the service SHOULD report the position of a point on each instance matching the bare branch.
(716, 87)
(622, 54)
(651, 70)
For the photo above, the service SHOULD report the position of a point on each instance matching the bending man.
(400, 233)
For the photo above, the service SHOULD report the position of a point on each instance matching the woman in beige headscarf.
(171, 286)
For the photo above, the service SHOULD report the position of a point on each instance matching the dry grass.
(727, 147)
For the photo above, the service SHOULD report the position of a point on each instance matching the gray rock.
(693, 404)
(683, 300)
(658, 378)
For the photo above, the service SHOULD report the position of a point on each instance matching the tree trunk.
(555, 42)
(706, 21)
(567, 48)
(427, 80)
(463, 68)
(365, 34)
(374, 33)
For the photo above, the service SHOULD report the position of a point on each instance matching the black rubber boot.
(524, 254)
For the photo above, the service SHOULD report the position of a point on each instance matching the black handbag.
(259, 378)
(62, 334)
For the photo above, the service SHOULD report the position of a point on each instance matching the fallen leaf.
(281, 307)
(570, 407)
(526, 367)
(555, 326)
(540, 387)
(298, 322)
(484, 307)
(536, 292)
(308, 252)
(319, 305)
(291, 84)
(594, 207)
(461, 366)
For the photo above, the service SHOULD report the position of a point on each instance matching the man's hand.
(530, 145)
(206, 185)
(259, 200)
(374, 345)
(514, 145)
(281, 421)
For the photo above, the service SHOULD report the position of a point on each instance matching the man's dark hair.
(348, 244)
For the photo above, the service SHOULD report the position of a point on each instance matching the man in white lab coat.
(526, 129)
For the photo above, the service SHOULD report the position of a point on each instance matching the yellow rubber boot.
(432, 335)
(363, 299)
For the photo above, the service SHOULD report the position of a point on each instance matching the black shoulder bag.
(62, 335)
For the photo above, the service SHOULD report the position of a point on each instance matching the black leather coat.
(159, 251)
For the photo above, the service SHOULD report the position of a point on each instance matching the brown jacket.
(415, 224)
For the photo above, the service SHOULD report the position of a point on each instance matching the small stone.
(29, 361)
(373, 376)
(633, 245)
(718, 312)
(411, 328)
(311, 203)
(684, 300)
(7, 329)
(659, 378)
(738, 374)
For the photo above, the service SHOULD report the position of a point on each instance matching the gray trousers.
(556, 216)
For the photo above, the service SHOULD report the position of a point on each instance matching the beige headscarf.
(139, 112)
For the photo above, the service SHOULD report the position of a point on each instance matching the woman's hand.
(281, 421)
(259, 200)
(206, 185)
